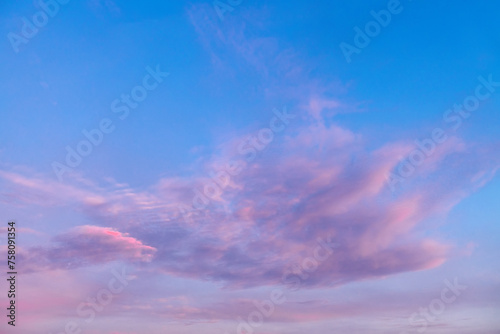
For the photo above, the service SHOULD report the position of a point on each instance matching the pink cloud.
(87, 245)
(270, 216)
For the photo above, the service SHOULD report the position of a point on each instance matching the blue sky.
(325, 173)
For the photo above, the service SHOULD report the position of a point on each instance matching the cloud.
(319, 181)
(84, 246)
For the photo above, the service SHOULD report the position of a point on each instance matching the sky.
(231, 166)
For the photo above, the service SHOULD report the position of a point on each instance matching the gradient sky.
(326, 174)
